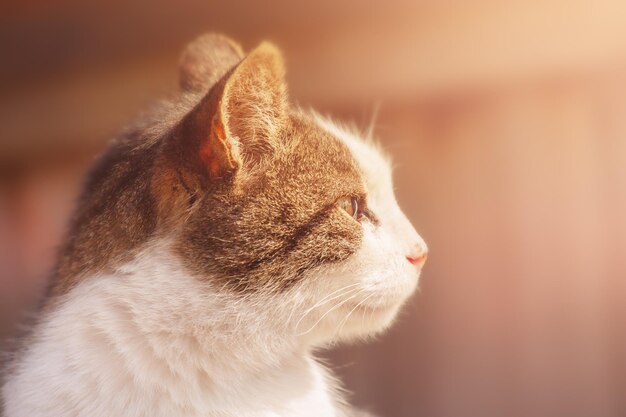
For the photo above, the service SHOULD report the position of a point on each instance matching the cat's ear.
(237, 124)
(205, 61)
(254, 102)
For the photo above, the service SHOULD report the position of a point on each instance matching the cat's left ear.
(205, 60)
(238, 123)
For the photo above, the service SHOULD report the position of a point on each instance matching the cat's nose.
(418, 256)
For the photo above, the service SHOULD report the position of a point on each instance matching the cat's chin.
(364, 317)
(367, 319)
(356, 321)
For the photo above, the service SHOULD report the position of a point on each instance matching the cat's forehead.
(373, 165)
(312, 151)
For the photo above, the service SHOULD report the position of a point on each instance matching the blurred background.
(507, 124)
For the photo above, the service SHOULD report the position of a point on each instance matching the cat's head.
(268, 204)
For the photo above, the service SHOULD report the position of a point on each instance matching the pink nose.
(418, 257)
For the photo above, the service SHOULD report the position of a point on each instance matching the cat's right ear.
(237, 124)
(231, 131)
(205, 61)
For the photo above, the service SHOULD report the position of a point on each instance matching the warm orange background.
(507, 122)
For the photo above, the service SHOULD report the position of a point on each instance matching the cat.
(216, 244)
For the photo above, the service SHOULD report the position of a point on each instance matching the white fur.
(149, 339)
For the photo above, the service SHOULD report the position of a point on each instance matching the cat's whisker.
(328, 312)
(321, 303)
(343, 322)
(327, 300)
(333, 293)
(219, 239)
(369, 133)
(369, 317)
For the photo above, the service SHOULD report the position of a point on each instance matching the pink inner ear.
(250, 105)
(216, 152)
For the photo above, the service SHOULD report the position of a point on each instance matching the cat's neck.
(149, 331)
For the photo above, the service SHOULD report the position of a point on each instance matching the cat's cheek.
(361, 296)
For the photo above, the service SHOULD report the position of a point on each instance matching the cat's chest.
(298, 388)
(94, 357)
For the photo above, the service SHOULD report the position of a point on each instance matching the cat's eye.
(350, 205)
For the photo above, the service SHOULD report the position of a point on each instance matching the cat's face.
(315, 228)
(293, 209)
(362, 295)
